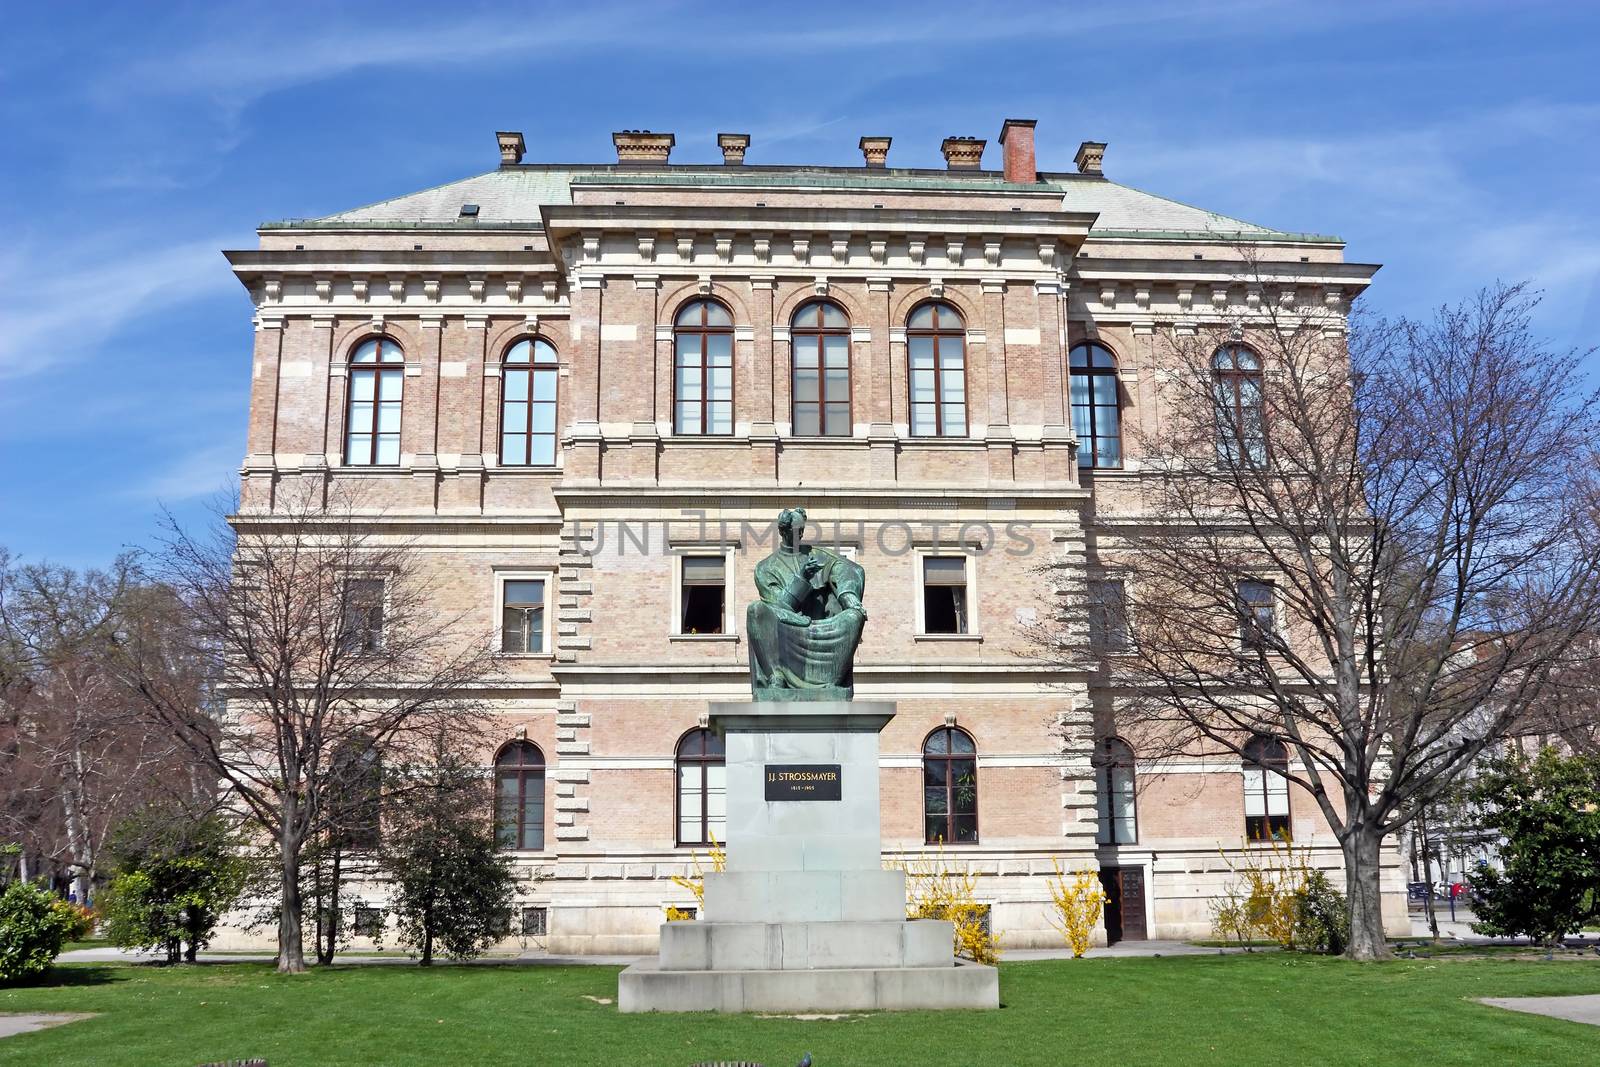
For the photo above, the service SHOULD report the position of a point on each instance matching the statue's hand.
(811, 568)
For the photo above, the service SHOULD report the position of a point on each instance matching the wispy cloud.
(191, 475)
(58, 307)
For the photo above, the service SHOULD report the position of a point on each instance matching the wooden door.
(1132, 903)
(1124, 912)
(1112, 884)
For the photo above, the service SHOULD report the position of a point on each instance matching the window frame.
(1090, 373)
(948, 757)
(1256, 758)
(1113, 753)
(973, 631)
(376, 369)
(366, 647)
(818, 334)
(705, 331)
(1248, 610)
(936, 332)
(704, 762)
(532, 370)
(1230, 408)
(547, 637)
(679, 554)
(523, 770)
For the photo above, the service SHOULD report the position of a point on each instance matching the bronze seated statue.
(804, 630)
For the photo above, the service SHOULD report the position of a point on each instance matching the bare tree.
(79, 760)
(1366, 552)
(324, 635)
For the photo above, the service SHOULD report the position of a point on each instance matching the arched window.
(1241, 434)
(528, 405)
(1096, 411)
(519, 796)
(950, 787)
(702, 789)
(936, 348)
(819, 336)
(1266, 789)
(372, 418)
(702, 369)
(1114, 776)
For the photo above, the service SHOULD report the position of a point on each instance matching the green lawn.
(1272, 1009)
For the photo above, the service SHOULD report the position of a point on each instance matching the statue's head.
(791, 524)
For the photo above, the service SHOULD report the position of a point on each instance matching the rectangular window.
(522, 615)
(363, 615)
(1257, 613)
(944, 594)
(1108, 615)
(703, 594)
(369, 921)
(535, 921)
(1115, 803)
(1266, 804)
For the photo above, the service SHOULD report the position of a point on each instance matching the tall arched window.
(936, 349)
(528, 405)
(1114, 775)
(372, 418)
(1266, 789)
(702, 789)
(819, 336)
(1241, 434)
(519, 796)
(702, 369)
(950, 787)
(1096, 410)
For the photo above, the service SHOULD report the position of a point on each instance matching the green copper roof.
(511, 198)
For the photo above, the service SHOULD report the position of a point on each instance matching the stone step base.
(720, 946)
(645, 987)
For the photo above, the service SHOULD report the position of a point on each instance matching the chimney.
(876, 150)
(643, 148)
(1016, 137)
(733, 146)
(1090, 154)
(963, 153)
(511, 147)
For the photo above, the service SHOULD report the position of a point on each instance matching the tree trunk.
(1427, 876)
(291, 949)
(1363, 849)
(77, 840)
(328, 909)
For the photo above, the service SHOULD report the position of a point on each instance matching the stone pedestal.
(805, 918)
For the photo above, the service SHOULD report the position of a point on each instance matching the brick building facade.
(587, 390)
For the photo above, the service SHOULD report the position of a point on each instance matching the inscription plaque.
(803, 781)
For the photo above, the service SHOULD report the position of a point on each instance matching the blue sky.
(1455, 144)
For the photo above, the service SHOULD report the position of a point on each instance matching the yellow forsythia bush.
(1262, 902)
(696, 882)
(1077, 906)
(936, 890)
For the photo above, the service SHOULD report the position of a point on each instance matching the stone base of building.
(646, 987)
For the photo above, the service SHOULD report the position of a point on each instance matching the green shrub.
(176, 877)
(33, 924)
(1321, 916)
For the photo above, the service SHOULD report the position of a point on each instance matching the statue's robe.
(802, 636)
